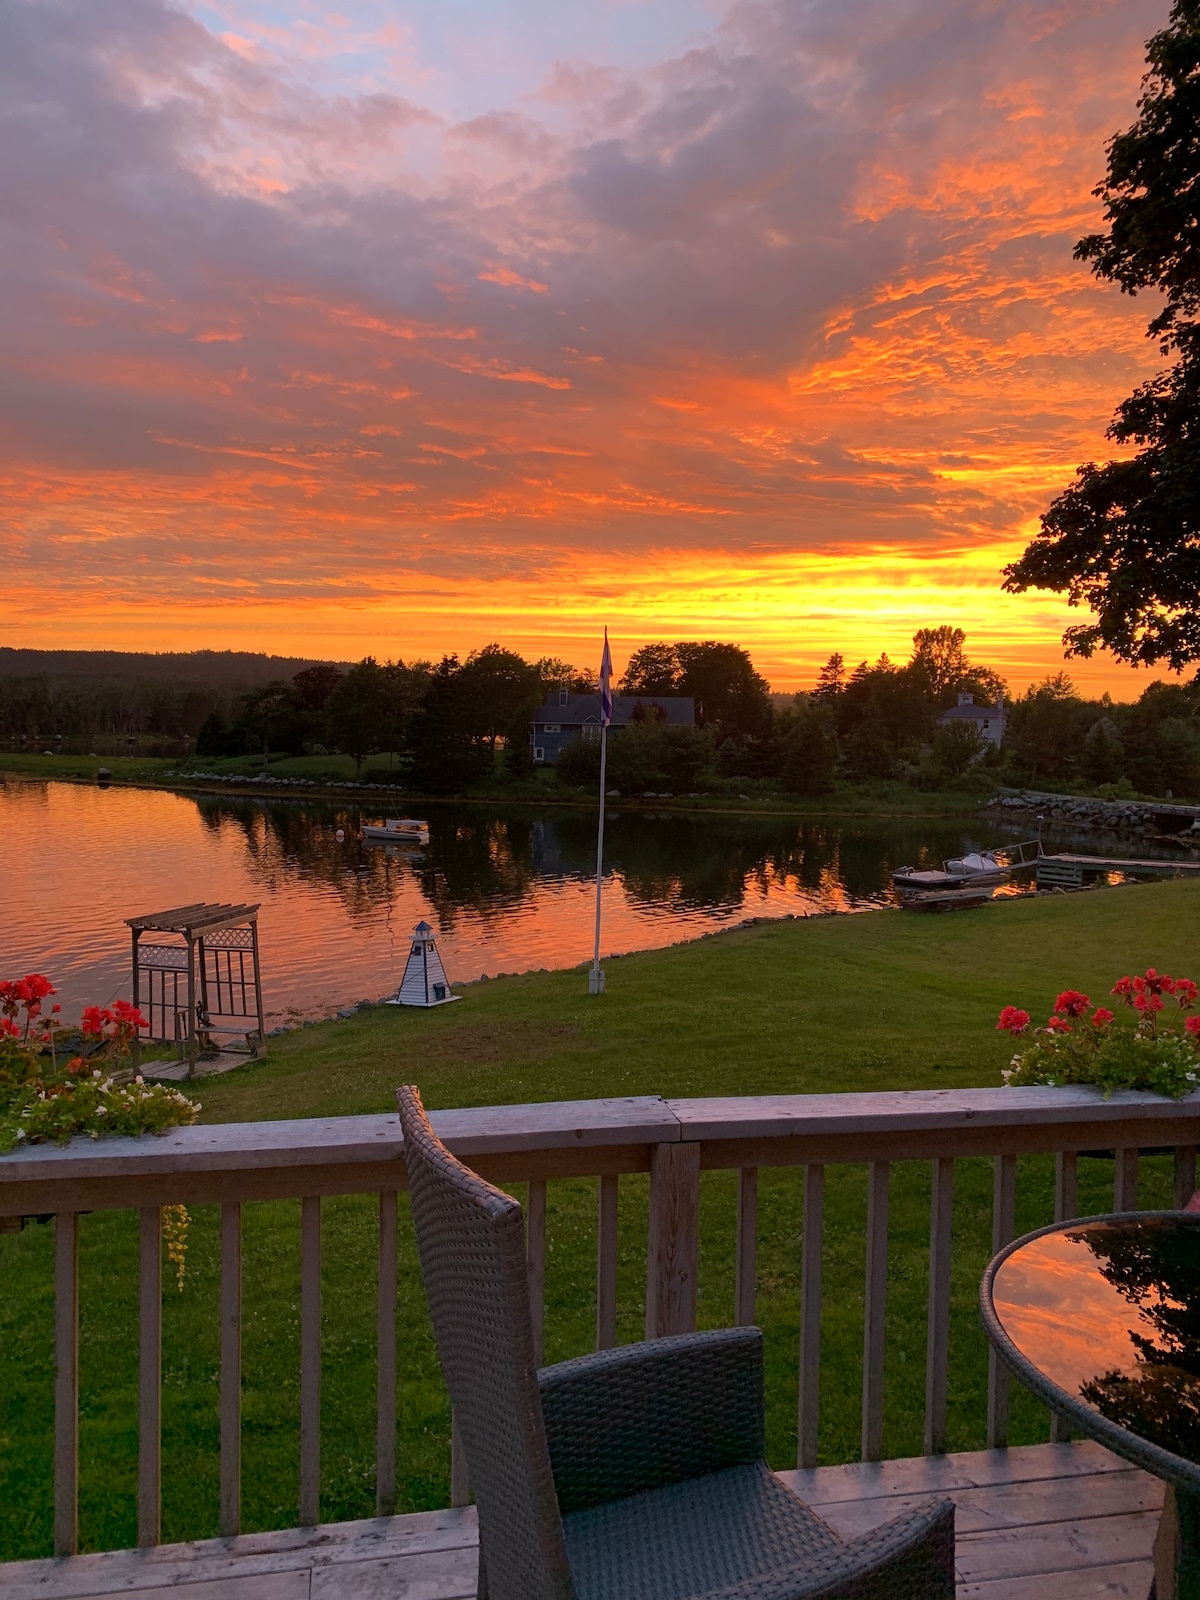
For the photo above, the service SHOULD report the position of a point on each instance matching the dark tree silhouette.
(1124, 538)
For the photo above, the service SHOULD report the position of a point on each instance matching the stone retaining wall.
(1137, 818)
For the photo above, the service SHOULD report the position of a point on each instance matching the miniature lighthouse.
(425, 982)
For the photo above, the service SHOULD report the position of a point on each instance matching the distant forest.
(456, 724)
(128, 694)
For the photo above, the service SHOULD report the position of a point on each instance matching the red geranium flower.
(1147, 1002)
(1186, 993)
(1012, 1020)
(1101, 1018)
(1192, 1024)
(1058, 1025)
(93, 1020)
(1123, 987)
(1071, 1003)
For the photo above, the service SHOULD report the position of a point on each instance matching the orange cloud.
(816, 355)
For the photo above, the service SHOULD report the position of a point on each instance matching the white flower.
(139, 1079)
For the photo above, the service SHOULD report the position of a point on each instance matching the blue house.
(566, 717)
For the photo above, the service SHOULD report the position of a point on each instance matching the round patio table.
(1100, 1318)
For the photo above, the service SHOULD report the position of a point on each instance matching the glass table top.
(1109, 1312)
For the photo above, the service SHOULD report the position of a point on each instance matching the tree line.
(446, 724)
(84, 694)
(458, 724)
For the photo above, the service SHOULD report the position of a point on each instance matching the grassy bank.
(878, 1001)
(321, 774)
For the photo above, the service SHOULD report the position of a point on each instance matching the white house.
(988, 720)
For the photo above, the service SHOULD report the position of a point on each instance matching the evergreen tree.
(831, 679)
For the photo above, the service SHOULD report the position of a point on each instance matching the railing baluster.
(1004, 1203)
(66, 1383)
(875, 1309)
(810, 1314)
(937, 1348)
(385, 1359)
(460, 1483)
(535, 1263)
(230, 1522)
(1125, 1179)
(673, 1242)
(1066, 1186)
(746, 1261)
(1066, 1206)
(310, 1361)
(149, 1493)
(606, 1264)
(1185, 1174)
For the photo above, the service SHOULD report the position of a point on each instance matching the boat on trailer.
(397, 830)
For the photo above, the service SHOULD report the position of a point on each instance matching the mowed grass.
(877, 1001)
(124, 769)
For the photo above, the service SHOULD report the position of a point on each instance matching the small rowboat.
(397, 830)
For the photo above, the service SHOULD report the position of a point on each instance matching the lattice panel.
(165, 957)
(230, 939)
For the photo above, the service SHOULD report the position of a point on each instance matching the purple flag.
(606, 684)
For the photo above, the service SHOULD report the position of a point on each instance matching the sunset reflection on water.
(508, 889)
(1063, 1315)
(1110, 1313)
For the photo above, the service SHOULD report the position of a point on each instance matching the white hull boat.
(397, 830)
(980, 869)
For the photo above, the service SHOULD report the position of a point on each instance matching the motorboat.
(397, 830)
(978, 869)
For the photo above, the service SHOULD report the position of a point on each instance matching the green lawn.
(126, 769)
(877, 1001)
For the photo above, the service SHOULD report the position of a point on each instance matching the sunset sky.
(404, 327)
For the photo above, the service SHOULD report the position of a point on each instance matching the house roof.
(680, 710)
(971, 713)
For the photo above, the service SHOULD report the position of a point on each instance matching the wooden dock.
(1067, 871)
(1126, 864)
(1067, 1515)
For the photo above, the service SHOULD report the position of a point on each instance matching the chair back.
(471, 1245)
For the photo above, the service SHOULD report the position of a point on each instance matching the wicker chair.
(634, 1474)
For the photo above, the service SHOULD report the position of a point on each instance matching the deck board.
(1086, 1520)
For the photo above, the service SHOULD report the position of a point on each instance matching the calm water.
(507, 889)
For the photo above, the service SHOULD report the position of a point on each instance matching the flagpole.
(596, 977)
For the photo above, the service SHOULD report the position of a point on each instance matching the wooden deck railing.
(672, 1140)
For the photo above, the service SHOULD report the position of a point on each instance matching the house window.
(552, 727)
(562, 696)
(591, 731)
(538, 753)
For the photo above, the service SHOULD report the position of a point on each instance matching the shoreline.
(822, 806)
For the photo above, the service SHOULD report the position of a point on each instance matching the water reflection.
(509, 888)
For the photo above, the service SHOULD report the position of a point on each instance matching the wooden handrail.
(364, 1154)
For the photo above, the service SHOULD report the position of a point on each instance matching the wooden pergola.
(203, 983)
